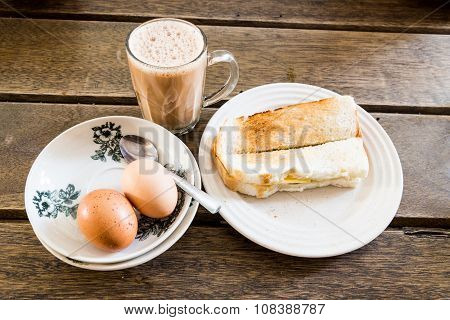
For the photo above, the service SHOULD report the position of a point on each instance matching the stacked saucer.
(87, 157)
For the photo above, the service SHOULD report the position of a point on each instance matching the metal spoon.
(134, 147)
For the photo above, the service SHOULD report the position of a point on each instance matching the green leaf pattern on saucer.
(50, 203)
(107, 136)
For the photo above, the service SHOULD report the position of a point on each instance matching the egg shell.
(107, 219)
(149, 187)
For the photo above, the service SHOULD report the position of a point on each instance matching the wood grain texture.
(394, 266)
(422, 142)
(386, 15)
(82, 61)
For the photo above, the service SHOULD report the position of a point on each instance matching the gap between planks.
(18, 215)
(127, 101)
(232, 23)
(417, 231)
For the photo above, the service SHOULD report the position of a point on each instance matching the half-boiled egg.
(150, 188)
(107, 219)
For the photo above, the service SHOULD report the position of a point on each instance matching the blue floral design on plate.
(107, 136)
(50, 203)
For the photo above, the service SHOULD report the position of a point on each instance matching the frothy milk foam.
(166, 43)
(168, 82)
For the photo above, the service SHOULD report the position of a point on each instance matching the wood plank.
(387, 15)
(394, 266)
(421, 140)
(83, 61)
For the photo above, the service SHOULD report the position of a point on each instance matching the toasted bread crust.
(358, 127)
(231, 182)
(299, 125)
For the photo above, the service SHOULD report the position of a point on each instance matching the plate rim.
(245, 231)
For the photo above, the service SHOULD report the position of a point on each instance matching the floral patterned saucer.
(87, 157)
(151, 254)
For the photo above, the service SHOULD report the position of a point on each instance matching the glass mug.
(169, 94)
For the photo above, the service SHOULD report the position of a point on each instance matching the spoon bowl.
(134, 147)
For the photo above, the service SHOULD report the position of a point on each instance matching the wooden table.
(67, 64)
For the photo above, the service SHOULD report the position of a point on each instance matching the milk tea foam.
(167, 73)
(166, 43)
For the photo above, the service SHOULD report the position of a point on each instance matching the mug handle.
(223, 56)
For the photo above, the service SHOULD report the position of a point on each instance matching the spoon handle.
(210, 204)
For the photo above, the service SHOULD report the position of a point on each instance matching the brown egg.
(107, 219)
(149, 188)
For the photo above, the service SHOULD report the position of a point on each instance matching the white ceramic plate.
(87, 157)
(315, 223)
(165, 245)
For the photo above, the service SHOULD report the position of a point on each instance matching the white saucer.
(87, 157)
(165, 245)
(315, 223)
